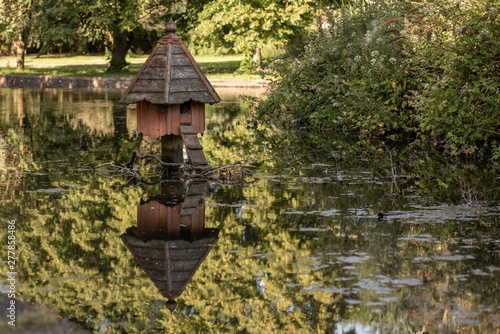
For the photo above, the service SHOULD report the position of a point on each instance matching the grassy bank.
(215, 67)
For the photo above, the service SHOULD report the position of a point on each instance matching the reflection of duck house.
(171, 91)
(171, 242)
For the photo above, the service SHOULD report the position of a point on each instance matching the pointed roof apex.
(171, 305)
(170, 75)
(171, 27)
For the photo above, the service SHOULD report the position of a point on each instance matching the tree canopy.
(15, 25)
(118, 25)
(247, 26)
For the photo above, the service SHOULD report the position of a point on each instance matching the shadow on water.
(303, 249)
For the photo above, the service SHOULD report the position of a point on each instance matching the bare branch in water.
(235, 174)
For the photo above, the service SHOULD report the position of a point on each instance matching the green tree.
(58, 26)
(247, 26)
(112, 21)
(117, 21)
(15, 25)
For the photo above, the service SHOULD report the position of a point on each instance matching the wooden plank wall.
(155, 120)
(198, 116)
(155, 220)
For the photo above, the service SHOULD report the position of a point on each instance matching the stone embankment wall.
(107, 83)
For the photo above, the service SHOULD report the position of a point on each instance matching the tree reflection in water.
(301, 250)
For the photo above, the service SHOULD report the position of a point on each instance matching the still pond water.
(301, 249)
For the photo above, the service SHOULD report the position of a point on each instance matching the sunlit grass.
(95, 65)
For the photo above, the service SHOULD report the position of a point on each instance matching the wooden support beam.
(171, 149)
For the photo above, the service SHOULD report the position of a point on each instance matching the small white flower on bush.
(357, 58)
(325, 25)
(373, 61)
(379, 40)
(392, 60)
(374, 53)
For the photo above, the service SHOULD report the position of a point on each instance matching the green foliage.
(495, 157)
(15, 17)
(397, 70)
(246, 65)
(462, 66)
(246, 25)
(334, 82)
(57, 26)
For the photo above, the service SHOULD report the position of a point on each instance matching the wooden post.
(171, 149)
(173, 191)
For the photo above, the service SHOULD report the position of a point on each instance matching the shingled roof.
(170, 76)
(171, 264)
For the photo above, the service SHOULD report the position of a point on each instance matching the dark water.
(302, 249)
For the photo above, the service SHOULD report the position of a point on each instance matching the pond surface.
(301, 249)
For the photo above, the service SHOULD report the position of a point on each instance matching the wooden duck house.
(171, 91)
(170, 241)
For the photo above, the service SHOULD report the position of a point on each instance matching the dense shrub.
(428, 70)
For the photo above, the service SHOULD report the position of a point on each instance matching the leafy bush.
(462, 51)
(397, 70)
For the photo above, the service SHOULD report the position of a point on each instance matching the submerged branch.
(235, 174)
(140, 157)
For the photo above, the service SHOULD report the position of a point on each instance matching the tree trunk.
(257, 59)
(119, 117)
(118, 51)
(19, 48)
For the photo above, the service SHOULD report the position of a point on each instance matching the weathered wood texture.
(193, 146)
(159, 248)
(155, 220)
(154, 120)
(170, 264)
(170, 76)
(193, 213)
